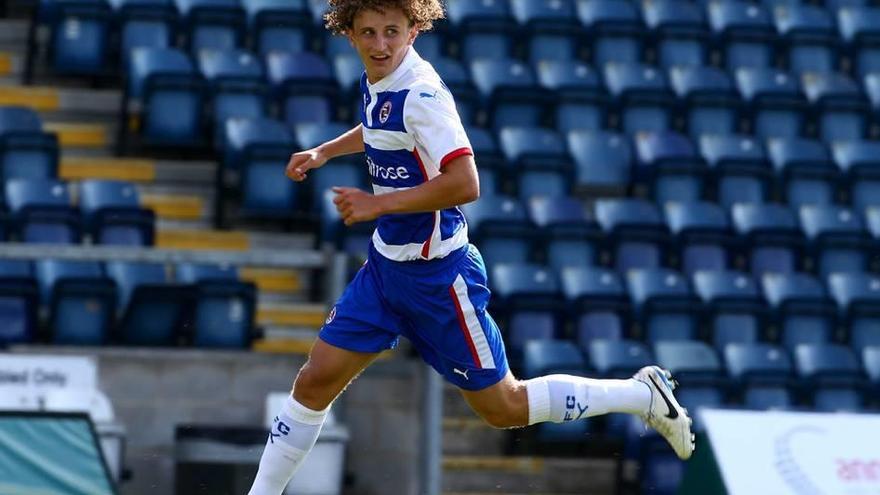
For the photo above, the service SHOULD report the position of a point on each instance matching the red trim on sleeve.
(452, 155)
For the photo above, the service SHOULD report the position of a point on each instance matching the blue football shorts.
(439, 305)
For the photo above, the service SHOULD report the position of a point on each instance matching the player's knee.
(313, 390)
(499, 418)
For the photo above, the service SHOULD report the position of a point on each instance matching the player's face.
(381, 39)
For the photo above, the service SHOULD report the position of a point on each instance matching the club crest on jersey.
(384, 112)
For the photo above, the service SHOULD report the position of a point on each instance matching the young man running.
(423, 280)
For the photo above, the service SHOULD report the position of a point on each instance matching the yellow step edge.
(79, 135)
(290, 317)
(174, 206)
(5, 64)
(37, 98)
(202, 240)
(530, 465)
(271, 279)
(127, 169)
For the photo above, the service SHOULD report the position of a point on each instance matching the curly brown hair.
(423, 13)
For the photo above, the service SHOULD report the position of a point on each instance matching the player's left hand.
(355, 205)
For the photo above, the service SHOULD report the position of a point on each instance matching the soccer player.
(422, 279)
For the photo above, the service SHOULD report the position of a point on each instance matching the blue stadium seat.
(804, 170)
(193, 273)
(803, 311)
(42, 211)
(145, 24)
(839, 109)
(348, 71)
(510, 91)
(212, 24)
(545, 357)
(501, 228)
(872, 222)
(860, 30)
(19, 302)
(602, 160)
(708, 100)
(538, 159)
(484, 28)
(597, 303)
(615, 30)
(693, 363)
(236, 85)
(552, 28)
(171, 94)
(304, 86)
(353, 240)
(679, 32)
(431, 45)
(80, 299)
(702, 233)
(838, 242)
(281, 25)
(744, 31)
(526, 298)
(318, 8)
(458, 80)
(762, 373)
(669, 165)
(112, 213)
(664, 304)
(642, 96)
(767, 398)
(223, 316)
(490, 162)
(771, 236)
(735, 312)
(334, 45)
(809, 37)
(859, 162)
(871, 85)
(774, 102)
(80, 33)
(831, 374)
(857, 296)
(871, 361)
(635, 233)
(570, 237)
(618, 358)
(742, 173)
(581, 101)
(26, 152)
(344, 171)
(153, 308)
(259, 149)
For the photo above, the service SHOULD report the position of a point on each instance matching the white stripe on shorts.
(475, 330)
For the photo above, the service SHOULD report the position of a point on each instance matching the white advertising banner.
(36, 374)
(782, 453)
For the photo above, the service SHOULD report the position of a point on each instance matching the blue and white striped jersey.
(411, 131)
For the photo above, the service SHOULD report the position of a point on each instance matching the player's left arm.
(457, 184)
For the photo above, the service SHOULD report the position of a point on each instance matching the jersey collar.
(409, 60)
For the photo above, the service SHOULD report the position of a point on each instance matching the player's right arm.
(300, 163)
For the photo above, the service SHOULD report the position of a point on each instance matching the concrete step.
(275, 280)
(143, 170)
(81, 134)
(492, 474)
(292, 315)
(469, 435)
(200, 239)
(176, 206)
(52, 100)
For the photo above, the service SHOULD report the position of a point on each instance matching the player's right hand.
(300, 163)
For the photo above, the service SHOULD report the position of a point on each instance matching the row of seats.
(27, 151)
(92, 303)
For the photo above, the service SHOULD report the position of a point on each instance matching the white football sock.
(559, 398)
(293, 435)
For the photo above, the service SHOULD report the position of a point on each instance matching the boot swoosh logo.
(673, 413)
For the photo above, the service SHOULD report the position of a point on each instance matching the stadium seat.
(551, 26)
(42, 211)
(838, 106)
(596, 303)
(664, 304)
(281, 25)
(804, 170)
(569, 236)
(112, 213)
(740, 168)
(318, 9)
(526, 299)
(145, 24)
(859, 162)
(735, 312)
(860, 30)
(692, 363)
(871, 86)
(871, 360)
(171, 95)
(808, 36)
(744, 31)
(762, 374)
(774, 103)
(803, 312)
(602, 160)
(80, 34)
(19, 302)
(642, 96)
(483, 28)
(26, 152)
(491, 162)
(831, 374)
(635, 233)
(857, 296)
(193, 273)
(353, 240)
(702, 234)
(669, 165)
(153, 309)
(546, 357)
(615, 30)
(236, 86)
(343, 171)
(80, 299)
(431, 45)
(771, 237)
(458, 80)
(510, 92)
(348, 71)
(696, 398)
(501, 228)
(304, 86)
(223, 315)
(618, 358)
(580, 99)
(538, 159)
(678, 31)
(212, 24)
(838, 242)
(707, 98)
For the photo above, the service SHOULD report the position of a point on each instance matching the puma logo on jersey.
(462, 373)
(428, 95)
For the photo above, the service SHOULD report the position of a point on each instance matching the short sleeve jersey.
(411, 131)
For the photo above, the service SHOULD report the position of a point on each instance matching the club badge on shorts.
(384, 112)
